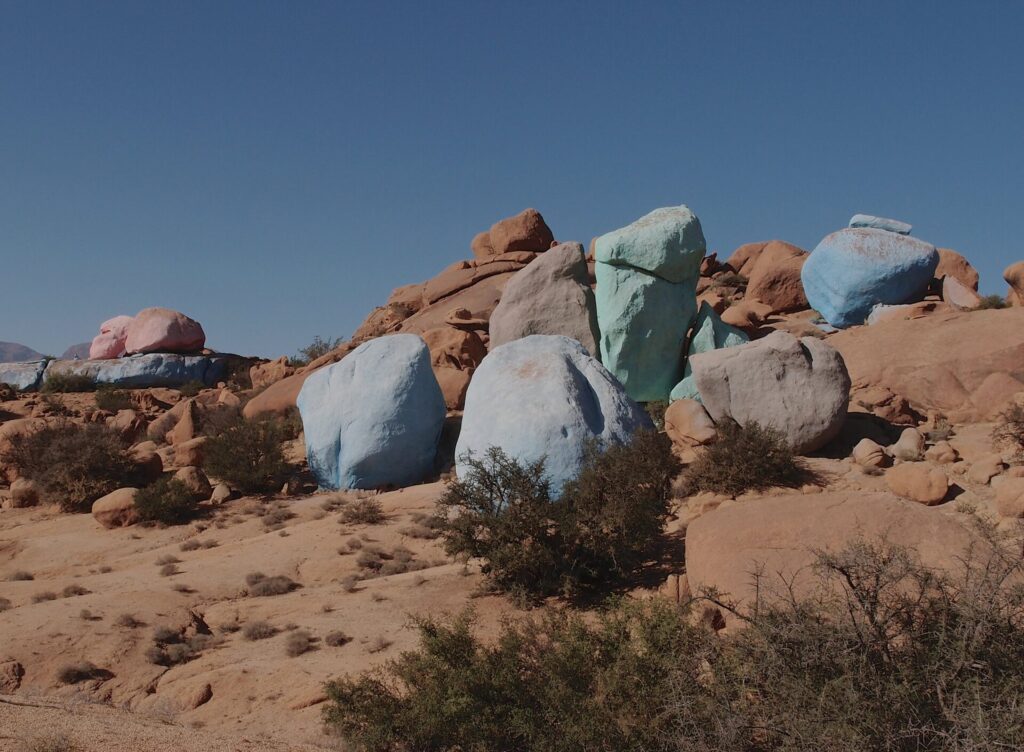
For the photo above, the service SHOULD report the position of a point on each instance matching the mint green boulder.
(646, 299)
(709, 333)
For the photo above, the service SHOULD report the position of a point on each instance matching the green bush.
(73, 464)
(247, 455)
(68, 382)
(989, 302)
(112, 399)
(594, 535)
(191, 388)
(882, 654)
(168, 501)
(1009, 430)
(745, 458)
(315, 349)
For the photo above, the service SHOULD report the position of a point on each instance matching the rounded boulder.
(163, 330)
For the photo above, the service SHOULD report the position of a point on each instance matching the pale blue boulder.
(544, 396)
(25, 377)
(373, 419)
(853, 270)
(880, 223)
(646, 298)
(142, 371)
(709, 333)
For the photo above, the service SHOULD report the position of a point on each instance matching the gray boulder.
(25, 377)
(141, 371)
(800, 387)
(550, 296)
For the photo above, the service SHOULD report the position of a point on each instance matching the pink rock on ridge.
(109, 343)
(164, 330)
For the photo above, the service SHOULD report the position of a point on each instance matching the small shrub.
(168, 501)
(1009, 430)
(68, 382)
(745, 458)
(55, 405)
(989, 302)
(44, 596)
(248, 455)
(52, 742)
(274, 517)
(729, 279)
(297, 643)
(336, 639)
(349, 583)
(164, 635)
(258, 630)
(191, 388)
(260, 585)
(112, 399)
(5, 604)
(73, 464)
(656, 411)
(379, 643)
(72, 590)
(20, 575)
(363, 512)
(167, 559)
(127, 621)
(73, 673)
(169, 570)
(192, 544)
(315, 349)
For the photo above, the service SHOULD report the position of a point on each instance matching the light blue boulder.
(545, 396)
(880, 223)
(709, 333)
(646, 298)
(853, 270)
(25, 377)
(141, 371)
(373, 419)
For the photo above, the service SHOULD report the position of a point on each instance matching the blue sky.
(275, 169)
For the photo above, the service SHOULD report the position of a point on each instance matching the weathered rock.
(187, 426)
(11, 674)
(870, 453)
(881, 314)
(140, 371)
(961, 297)
(880, 223)
(852, 270)
(952, 264)
(985, 468)
(646, 298)
(743, 258)
(26, 377)
(748, 315)
(110, 342)
(709, 333)
(196, 482)
(263, 375)
(163, 330)
(221, 493)
(454, 354)
(909, 447)
(799, 387)
(774, 278)
(24, 493)
(1014, 276)
(116, 509)
(688, 424)
(942, 453)
(277, 398)
(918, 481)
(1010, 497)
(148, 461)
(128, 423)
(526, 231)
(550, 296)
(545, 396)
(374, 419)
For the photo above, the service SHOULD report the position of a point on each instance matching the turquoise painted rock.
(544, 396)
(880, 223)
(709, 333)
(373, 419)
(646, 299)
(853, 270)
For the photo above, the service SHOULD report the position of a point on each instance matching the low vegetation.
(261, 585)
(167, 501)
(297, 643)
(315, 349)
(598, 531)
(112, 399)
(68, 382)
(990, 302)
(1009, 431)
(363, 512)
(258, 630)
(247, 455)
(882, 654)
(744, 458)
(74, 673)
(73, 464)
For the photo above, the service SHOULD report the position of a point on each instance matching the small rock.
(959, 295)
(909, 447)
(942, 453)
(221, 493)
(190, 452)
(1010, 497)
(986, 468)
(196, 480)
(688, 424)
(199, 696)
(869, 453)
(918, 481)
(116, 509)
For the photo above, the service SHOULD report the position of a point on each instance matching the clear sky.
(275, 169)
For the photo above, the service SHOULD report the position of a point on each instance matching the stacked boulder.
(646, 299)
(109, 343)
(872, 262)
(151, 330)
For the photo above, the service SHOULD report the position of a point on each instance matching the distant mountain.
(12, 352)
(80, 351)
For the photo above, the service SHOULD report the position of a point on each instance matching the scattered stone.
(196, 481)
(805, 378)
(11, 674)
(880, 223)
(869, 454)
(909, 447)
(952, 264)
(852, 270)
(163, 330)
(454, 355)
(373, 419)
(200, 695)
(688, 424)
(918, 481)
(526, 231)
(187, 426)
(221, 493)
(942, 453)
(985, 468)
(545, 396)
(116, 509)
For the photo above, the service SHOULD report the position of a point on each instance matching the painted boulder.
(853, 270)
(545, 396)
(709, 333)
(880, 223)
(373, 419)
(646, 298)
(110, 342)
(142, 371)
(24, 377)
(163, 330)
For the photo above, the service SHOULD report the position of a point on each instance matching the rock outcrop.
(526, 231)
(373, 420)
(154, 369)
(545, 396)
(774, 277)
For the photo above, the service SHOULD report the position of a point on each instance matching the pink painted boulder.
(109, 343)
(164, 330)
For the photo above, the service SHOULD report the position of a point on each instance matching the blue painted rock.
(140, 371)
(880, 223)
(24, 377)
(373, 420)
(551, 295)
(855, 269)
(646, 298)
(709, 333)
(544, 396)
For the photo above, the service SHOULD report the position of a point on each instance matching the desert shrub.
(192, 544)
(363, 512)
(47, 595)
(656, 412)
(73, 673)
(315, 349)
(167, 501)
(5, 604)
(191, 388)
(73, 464)
(72, 590)
(20, 575)
(989, 302)
(169, 570)
(112, 399)
(745, 458)
(127, 621)
(730, 279)
(51, 742)
(258, 630)
(595, 534)
(247, 455)
(260, 585)
(1009, 430)
(68, 382)
(56, 406)
(337, 638)
(297, 643)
